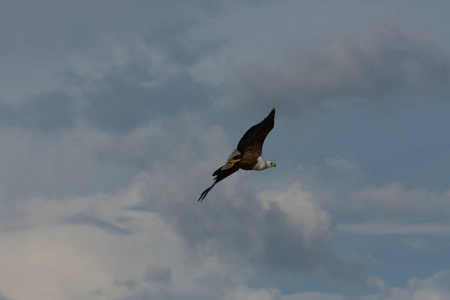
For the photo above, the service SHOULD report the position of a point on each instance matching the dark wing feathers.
(220, 175)
(255, 136)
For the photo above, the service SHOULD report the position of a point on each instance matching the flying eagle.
(248, 155)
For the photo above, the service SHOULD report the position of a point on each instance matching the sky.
(114, 115)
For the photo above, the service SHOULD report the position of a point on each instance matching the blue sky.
(113, 116)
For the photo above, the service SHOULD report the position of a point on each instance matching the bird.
(248, 154)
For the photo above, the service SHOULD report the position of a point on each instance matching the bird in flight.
(248, 154)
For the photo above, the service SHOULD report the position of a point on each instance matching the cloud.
(245, 293)
(119, 105)
(108, 130)
(341, 163)
(276, 231)
(158, 274)
(87, 219)
(239, 231)
(394, 210)
(383, 63)
(49, 112)
(2, 297)
(50, 258)
(64, 242)
(141, 213)
(113, 77)
(60, 163)
(434, 287)
(393, 201)
(383, 227)
(161, 242)
(314, 296)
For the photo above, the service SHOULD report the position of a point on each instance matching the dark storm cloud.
(376, 66)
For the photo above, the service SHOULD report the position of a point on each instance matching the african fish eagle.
(248, 154)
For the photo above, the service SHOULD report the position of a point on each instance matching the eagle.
(248, 154)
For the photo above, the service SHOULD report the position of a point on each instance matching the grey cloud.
(67, 52)
(393, 202)
(148, 295)
(379, 65)
(243, 292)
(72, 25)
(2, 297)
(91, 220)
(435, 286)
(237, 227)
(241, 232)
(128, 283)
(218, 282)
(158, 274)
(119, 104)
(56, 165)
(50, 111)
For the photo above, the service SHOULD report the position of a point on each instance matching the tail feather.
(205, 192)
(220, 175)
(216, 173)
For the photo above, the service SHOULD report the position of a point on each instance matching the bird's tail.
(205, 192)
(220, 175)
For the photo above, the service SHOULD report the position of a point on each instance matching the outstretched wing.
(254, 138)
(220, 175)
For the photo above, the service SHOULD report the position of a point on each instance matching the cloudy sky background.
(114, 114)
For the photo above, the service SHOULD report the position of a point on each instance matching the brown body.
(248, 160)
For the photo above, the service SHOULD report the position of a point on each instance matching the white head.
(263, 164)
(270, 164)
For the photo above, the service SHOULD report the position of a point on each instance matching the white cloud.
(383, 227)
(342, 163)
(313, 296)
(50, 258)
(434, 287)
(415, 243)
(394, 200)
(395, 210)
(303, 210)
(242, 292)
(102, 244)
